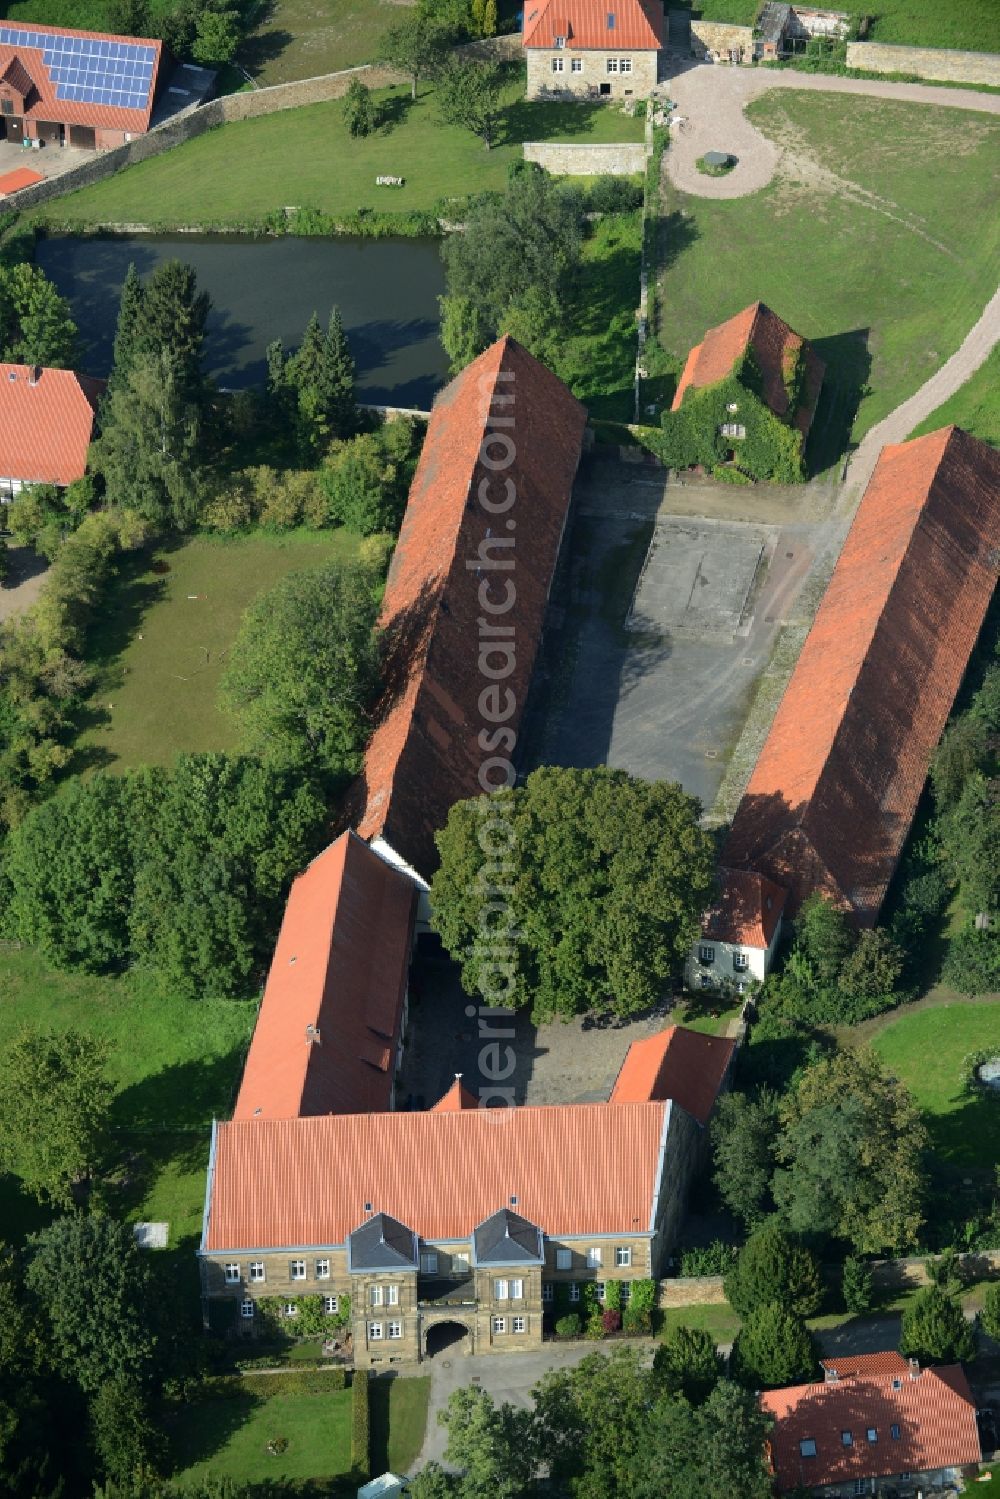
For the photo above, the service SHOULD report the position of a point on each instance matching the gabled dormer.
(506, 1238)
(17, 87)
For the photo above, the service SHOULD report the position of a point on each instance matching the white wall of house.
(732, 963)
(555, 73)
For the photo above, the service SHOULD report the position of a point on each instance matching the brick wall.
(926, 62)
(578, 161)
(719, 40)
(699, 1290)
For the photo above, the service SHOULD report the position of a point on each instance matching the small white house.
(739, 934)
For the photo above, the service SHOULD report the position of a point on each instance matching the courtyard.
(670, 599)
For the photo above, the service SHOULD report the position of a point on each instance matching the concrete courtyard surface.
(651, 659)
(561, 1062)
(48, 161)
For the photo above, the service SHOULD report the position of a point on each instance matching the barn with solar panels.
(75, 88)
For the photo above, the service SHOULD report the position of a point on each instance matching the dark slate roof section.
(383, 1243)
(507, 1239)
(772, 21)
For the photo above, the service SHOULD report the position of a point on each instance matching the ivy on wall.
(692, 435)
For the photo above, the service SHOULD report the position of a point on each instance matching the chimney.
(914, 1368)
(830, 1375)
(34, 375)
(312, 1036)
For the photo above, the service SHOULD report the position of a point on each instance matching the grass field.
(925, 1050)
(163, 646)
(306, 157)
(398, 1422)
(882, 253)
(969, 24)
(175, 1063)
(976, 407)
(227, 1437)
(598, 360)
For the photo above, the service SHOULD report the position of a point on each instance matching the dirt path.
(24, 581)
(711, 101)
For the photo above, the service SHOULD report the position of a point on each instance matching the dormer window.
(560, 41)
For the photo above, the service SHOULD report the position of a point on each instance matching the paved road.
(711, 100)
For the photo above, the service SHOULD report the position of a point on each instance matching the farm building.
(46, 424)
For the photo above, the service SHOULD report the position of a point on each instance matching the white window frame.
(428, 1262)
(322, 1269)
(564, 1259)
(612, 65)
(560, 41)
(519, 1325)
(517, 1290)
(623, 1257)
(392, 1295)
(375, 1295)
(374, 1332)
(247, 1307)
(499, 1325)
(625, 64)
(599, 1289)
(558, 65)
(290, 1309)
(501, 1290)
(574, 1290)
(706, 954)
(546, 1290)
(595, 1256)
(233, 1276)
(576, 64)
(297, 1269)
(256, 1272)
(741, 962)
(395, 1328)
(331, 1305)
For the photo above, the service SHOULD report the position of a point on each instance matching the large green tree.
(850, 1155)
(591, 1423)
(304, 666)
(579, 891)
(35, 322)
(935, 1329)
(470, 94)
(313, 387)
(415, 45)
(492, 1445)
(151, 448)
(516, 259)
(688, 1363)
(55, 1102)
(93, 1290)
(743, 1135)
(172, 317)
(773, 1347)
(128, 1441)
(714, 1449)
(774, 1267)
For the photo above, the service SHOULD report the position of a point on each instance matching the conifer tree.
(130, 310)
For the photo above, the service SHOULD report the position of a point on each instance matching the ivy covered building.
(746, 399)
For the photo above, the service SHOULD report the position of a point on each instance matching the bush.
(935, 1330)
(568, 1326)
(613, 1296)
(614, 195)
(361, 1424)
(773, 1347)
(973, 962)
(611, 1320)
(289, 1382)
(990, 1314)
(595, 1326)
(637, 1321)
(688, 1363)
(856, 1286)
(716, 1258)
(774, 1268)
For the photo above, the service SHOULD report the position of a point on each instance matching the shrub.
(361, 1424)
(568, 1326)
(773, 1347)
(856, 1286)
(990, 1314)
(637, 1320)
(614, 195)
(611, 1320)
(688, 1363)
(716, 1258)
(935, 1330)
(613, 1296)
(774, 1268)
(595, 1326)
(973, 962)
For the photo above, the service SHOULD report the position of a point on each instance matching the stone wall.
(719, 40)
(194, 122)
(580, 161)
(901, 1275)
(697, 1290)
(926, 62)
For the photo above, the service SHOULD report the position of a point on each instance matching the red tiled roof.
(17, 75)
(425, 753)
(836, 785)
(584, 23)
(45, 426)
(340, 969)
(45, 105)
(676, 1063)
(775, 348)
(867, 1363)
(748, 909)
(11, 182)
(457, 1097)
(933, 1412)
(579, 1168)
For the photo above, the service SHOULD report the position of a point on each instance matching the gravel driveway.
(711, 98)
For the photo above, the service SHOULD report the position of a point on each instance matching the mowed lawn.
(926, 1050)
(167, 636)
(227, 1437)
(878, 241)
(175, 1063)
(398, 1421)
(976, 407)
(306, 158)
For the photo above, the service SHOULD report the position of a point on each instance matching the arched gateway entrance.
(448, 1337)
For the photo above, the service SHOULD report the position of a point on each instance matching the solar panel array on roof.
(89, 70)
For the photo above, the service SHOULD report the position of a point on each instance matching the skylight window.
(611, 20)
(807, 1447)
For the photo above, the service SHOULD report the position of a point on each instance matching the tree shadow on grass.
(393, 111)
(204, 1426)
(528, 120)
(848, 365)
(185, 1096)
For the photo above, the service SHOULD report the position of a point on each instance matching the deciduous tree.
(35, 322)
(743, 1135)
(470, 94)
(493, 1445)
(359, 109)
(596, 897)
(55, 1103)
(416, 45)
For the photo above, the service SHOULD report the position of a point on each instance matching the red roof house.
(487, 506)
(679, 1064)
(46, 425)
(833, 794)
(12, 182)
(84, 88)
(872, 1425)
(585, 24)
(775, 349)
(593, 48)
(331, 1019)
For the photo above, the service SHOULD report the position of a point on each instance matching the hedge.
(361, 1424)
